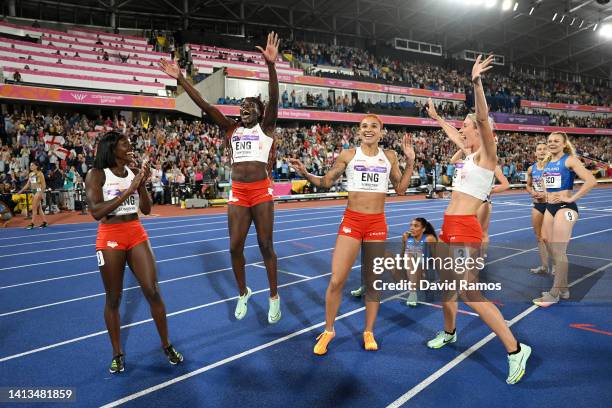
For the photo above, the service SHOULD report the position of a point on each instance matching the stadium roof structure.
(524, 34)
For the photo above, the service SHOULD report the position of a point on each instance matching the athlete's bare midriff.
(366, 203)
(561, 195)
(463, 204)
(248, 172)
(118, 219)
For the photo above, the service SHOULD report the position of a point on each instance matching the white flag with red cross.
(54, 145)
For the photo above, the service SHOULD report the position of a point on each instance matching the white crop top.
(250, 144)
(469, 178)
(368, 173)
(114, 186)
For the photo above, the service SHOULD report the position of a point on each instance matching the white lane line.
(400, 401)
(259, 265)
(233, 358)
(575, 255)
(227, 237)
(160, 282)
(191, 232)
(223, 219)
(446, 368)
(216, 302)
(178, 312)
(167, 280)
(15, 285)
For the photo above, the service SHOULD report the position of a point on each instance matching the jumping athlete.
(484, 211)
(250, 140)
(368, 170)
(461, 228)
(115, 193)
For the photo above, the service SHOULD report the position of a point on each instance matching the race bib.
(538, 185)
(100, 257)
(370, 178)
(552, 180)
(246, 146)
(129, 206)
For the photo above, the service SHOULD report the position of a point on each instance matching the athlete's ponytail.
(429, 229)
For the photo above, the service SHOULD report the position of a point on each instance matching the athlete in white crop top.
(250, 140)
(483, 214)
(369, 170)
(115, 193)
(461, 227)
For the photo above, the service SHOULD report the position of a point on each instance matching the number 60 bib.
(552, 180)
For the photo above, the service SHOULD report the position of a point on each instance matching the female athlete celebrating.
(561, 209)
(484, 211)
(115, 193)
(535, 187)
(461, 227)
(250, 141)
(36, 182)
(368, 170)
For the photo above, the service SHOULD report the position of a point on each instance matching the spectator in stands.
(105, 56)
(59, 61)
(76, 54)
(17, 77)
(35, 24)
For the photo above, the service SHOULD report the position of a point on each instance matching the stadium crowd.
(193, 152)
(504, 92)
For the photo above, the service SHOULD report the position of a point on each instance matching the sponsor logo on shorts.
(270, 191)
(112, 244)
(346, 230)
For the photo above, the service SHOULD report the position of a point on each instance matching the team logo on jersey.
(112, 244)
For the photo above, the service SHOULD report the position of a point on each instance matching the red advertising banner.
(38, 94)
(345, 84)
(565, 106)
(328, 116)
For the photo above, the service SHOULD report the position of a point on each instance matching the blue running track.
(52, 329)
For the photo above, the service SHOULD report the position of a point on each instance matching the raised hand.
(145, 170)
(298, 166)
(407, 148)
(431, 110)
(481, 67)
(170, 68)
(136, 182)
(271, 51)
